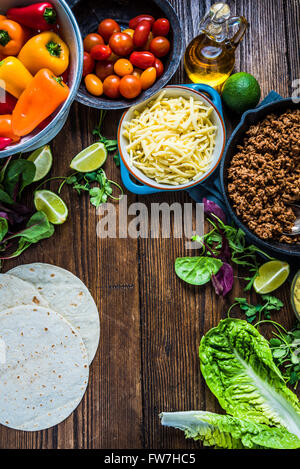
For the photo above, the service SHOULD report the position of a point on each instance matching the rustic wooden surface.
(151, 322)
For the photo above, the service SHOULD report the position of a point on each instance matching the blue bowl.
(71, 34)
(90, 13)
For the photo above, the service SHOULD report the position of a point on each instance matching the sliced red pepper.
(41, 16)
(7, 102)
(4, 142)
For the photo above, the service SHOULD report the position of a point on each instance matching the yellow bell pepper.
(14, 77)
(45, 50)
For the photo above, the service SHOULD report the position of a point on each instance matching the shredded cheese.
(172, 139)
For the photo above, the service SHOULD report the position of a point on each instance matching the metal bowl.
(89, 13)
(71, 34)
(249, 118)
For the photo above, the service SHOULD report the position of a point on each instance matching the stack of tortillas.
(49, 334)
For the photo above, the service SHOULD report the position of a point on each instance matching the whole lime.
(241, 92)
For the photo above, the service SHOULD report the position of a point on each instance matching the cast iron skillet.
(249, 118)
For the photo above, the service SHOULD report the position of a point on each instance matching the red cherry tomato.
(161, 27)
(88, 64)
(104, 69)
(135, 21)
(91, 40)
(160, 46)
(107, 28)
(158, 67)
(100, 52)
(121, 44)
(141, 33)
(142, 60)
(130, 86)
(111, 86)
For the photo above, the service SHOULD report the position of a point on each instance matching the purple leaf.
(211, 208)
(223, 280)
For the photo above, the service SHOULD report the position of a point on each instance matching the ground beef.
(264, 176)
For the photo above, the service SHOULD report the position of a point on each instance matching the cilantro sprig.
(260, 311)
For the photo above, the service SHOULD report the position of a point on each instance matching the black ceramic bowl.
(249, 118)
(89, 13)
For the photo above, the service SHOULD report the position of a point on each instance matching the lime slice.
(42, 158)
(271, 276)
(52, 205)
(90, 159)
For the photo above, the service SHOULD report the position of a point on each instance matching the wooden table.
(151, 322)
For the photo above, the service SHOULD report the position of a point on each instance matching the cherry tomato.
(113, 58)
(107, 28)
(88, 64)
(121, 44)
(141, 33)
(160, 46)
(93, 84)
(100, 52)
(148, 77)
(135, 21)
(123, 67)
(137, 72)
(91, 40)
(161, 27)
(104, 69)
(158, 67)
(130, 86)
(150, 37)
(128, 31)
(142, 60)
(111, 86)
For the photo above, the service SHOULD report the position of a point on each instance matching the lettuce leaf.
(224, 431)
(237, 364)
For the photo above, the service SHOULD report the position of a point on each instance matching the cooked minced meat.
(264, 176)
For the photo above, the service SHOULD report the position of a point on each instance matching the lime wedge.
(42, 158)
(52, 205)
(271, 276)
(90, 159)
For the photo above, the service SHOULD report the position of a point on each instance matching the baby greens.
(259, 311)
(197, 270)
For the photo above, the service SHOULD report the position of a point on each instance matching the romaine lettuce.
(224, 431)
(238, 367)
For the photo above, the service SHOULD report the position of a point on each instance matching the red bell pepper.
(4, 142)
(7, 102)
(41, 16)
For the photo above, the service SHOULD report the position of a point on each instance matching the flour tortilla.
(16, 292)
(67, 295)
(45, 372)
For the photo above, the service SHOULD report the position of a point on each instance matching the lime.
(241, 92)
(42, 158)
(271, 276)
(90, 159)
(52, 205)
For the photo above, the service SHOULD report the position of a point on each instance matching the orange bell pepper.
(40, 99)
(14, 77)
(6, 130)
(12, 37)
(45, 50)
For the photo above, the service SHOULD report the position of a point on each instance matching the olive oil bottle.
(210, 57)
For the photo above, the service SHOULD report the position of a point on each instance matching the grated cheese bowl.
(133, 178)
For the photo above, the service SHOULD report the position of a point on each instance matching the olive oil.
(210, 57)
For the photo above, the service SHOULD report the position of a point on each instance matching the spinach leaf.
(37, 228)
(3, 227)
(18, 172)
(5, 198)
(197, 270)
